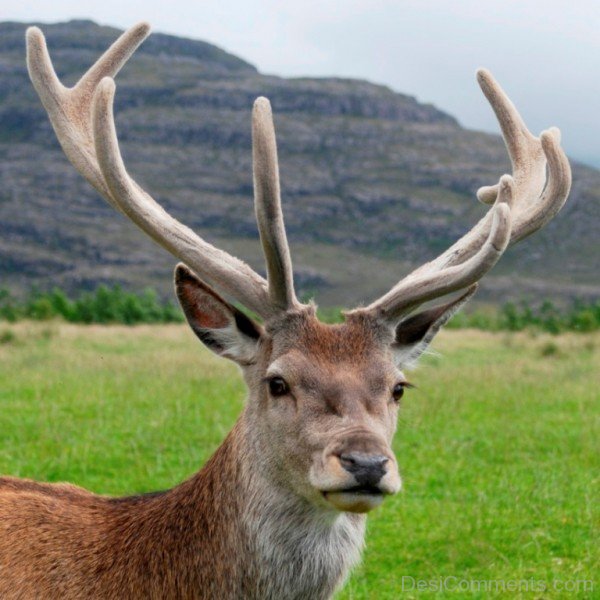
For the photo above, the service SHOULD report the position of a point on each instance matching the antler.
(522, 204)
(83, 120)
(267, 203)
(82, 117)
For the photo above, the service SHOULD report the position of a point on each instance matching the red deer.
(279, 510)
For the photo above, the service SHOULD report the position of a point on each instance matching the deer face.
(324, 399)
(327, 399)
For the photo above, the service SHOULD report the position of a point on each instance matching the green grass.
(498, 446)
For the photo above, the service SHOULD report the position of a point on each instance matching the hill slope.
(373, 182)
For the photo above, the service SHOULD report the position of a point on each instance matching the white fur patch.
(300, 551)
(237, 346)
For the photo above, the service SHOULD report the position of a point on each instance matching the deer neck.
(266, 541)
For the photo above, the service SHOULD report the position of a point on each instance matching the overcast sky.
(545, 53)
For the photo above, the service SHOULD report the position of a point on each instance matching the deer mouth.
(371, 490)
(356, 499)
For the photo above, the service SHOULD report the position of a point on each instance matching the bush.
(7, 337)
(547, 317)
(105, 305)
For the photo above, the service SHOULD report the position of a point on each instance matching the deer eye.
(398, 391)
(278, 386)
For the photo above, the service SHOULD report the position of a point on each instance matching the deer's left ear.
(414, 334)
(220, 326)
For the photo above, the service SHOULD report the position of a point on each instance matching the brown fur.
(60, 541)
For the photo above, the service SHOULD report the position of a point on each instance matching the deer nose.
(367, 469)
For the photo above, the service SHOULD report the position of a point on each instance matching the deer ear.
(414, 334)
(219, 325)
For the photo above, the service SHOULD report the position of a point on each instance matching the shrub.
(105, 305)
(7, 337)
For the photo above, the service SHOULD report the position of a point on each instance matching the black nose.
(367, 469)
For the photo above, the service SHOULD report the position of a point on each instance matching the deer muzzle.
(357, 480)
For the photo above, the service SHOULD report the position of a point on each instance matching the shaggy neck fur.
(276, 544)
(297, 550)
(267, 542)
(229, 533)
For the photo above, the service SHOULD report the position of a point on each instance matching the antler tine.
(529, 156)
(519, 140)
(532, 199)
(555, 193)
(113, 60)
(82, 118)
(267, 202)
(69, 109)
(41, 70)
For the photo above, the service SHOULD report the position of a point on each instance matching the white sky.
(545, 53)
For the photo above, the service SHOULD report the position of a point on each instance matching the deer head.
(324, 399)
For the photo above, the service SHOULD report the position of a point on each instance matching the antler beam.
(522, 204)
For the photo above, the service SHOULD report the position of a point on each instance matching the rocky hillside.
(373, 181)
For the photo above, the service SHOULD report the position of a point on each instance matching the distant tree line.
(105, 305)
(115, 305)
(581, 316)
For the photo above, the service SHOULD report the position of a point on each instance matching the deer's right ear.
(219, 325)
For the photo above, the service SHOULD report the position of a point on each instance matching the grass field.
(498, 446)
